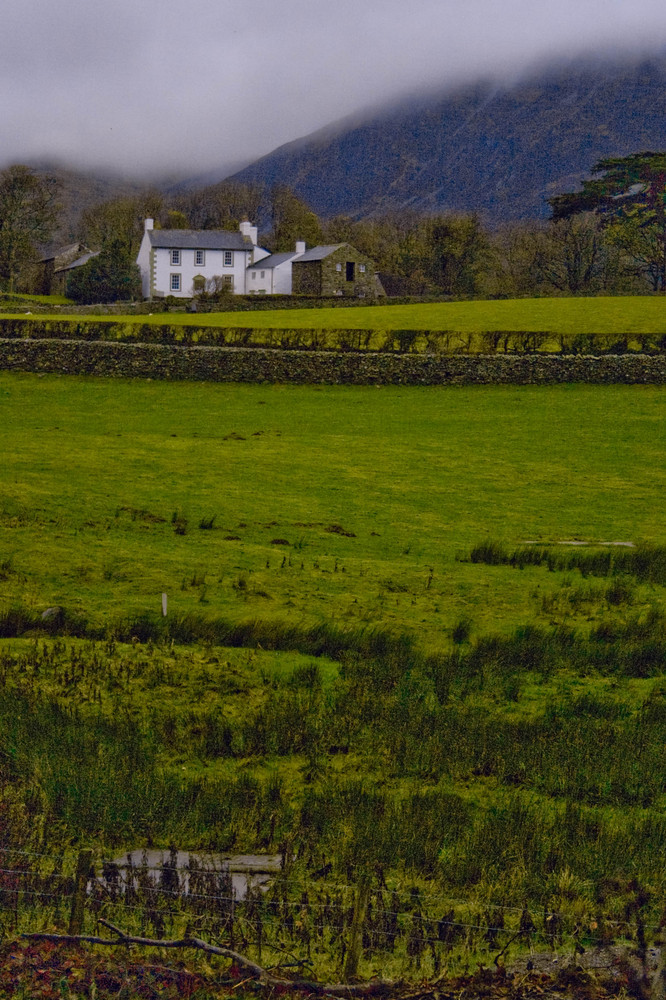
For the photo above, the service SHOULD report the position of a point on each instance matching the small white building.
(179, 262)
(272, 274)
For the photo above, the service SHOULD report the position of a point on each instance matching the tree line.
(607, 238)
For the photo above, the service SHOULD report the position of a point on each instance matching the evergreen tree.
(110, 276)
(628, 194)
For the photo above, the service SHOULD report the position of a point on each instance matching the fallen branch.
(505, 948)
(255, 971)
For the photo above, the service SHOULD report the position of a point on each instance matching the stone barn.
(334, 270)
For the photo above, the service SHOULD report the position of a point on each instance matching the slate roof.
(79, 262)
(318, 253)
(71, 250)
(195, 239)
(273, 260)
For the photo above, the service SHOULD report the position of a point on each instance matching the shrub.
(110, 276)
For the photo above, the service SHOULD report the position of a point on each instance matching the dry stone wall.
(171, 362)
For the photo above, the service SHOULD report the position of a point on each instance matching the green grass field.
(604, 315)
(10, 298)
(333, 504)
(364, 654)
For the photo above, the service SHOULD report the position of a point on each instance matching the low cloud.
(158, 87)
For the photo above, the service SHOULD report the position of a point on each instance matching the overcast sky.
(185, 86)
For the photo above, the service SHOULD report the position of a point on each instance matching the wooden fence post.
(83, 865)
(356, 933)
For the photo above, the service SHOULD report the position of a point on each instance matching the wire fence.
(287, 912)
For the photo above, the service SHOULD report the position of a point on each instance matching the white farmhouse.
(179, 261)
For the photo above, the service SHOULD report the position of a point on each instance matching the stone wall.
(231, 364)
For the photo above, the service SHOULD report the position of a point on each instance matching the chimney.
(300, 246)
(247, 229)
(148, 224)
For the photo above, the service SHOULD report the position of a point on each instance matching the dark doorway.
(350, 270)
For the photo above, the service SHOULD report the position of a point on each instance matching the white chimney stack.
(300, 246)
(247, 229)
(148, 224)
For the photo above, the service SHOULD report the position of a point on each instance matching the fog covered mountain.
(500, 150)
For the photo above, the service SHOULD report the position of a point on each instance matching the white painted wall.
(143, 260)
(187, 269)
(273, 280)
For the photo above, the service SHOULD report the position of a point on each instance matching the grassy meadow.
(381, 646)
(344, 505)
(604, 315)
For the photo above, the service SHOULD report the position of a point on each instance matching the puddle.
(245, 871)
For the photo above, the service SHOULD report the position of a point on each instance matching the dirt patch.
(337, 529)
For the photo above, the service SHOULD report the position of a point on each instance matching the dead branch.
(374, 987)
(505, 948)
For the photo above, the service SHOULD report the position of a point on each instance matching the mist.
(162, 89)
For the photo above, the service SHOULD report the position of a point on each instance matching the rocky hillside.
(497, 150)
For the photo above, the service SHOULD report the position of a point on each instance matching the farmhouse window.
(361, 268)
(199, 258)
(338, 267)
(228, 258)
(349, 270)
(175, 282)
(229, 282)
(254, 275)
(263, 274)
(175, 258)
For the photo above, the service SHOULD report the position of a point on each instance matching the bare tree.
(28, 214)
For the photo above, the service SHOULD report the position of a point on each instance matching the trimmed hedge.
(346, 340)
(228, 364)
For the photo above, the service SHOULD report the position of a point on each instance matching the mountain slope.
(497, 150)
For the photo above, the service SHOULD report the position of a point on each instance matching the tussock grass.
(646, 563)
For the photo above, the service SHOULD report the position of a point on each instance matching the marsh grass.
(400, 763)
(645, 563)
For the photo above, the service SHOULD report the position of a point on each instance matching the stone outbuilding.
(52, 272)
(338, 269)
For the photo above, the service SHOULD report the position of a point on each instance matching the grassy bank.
(568, 316)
